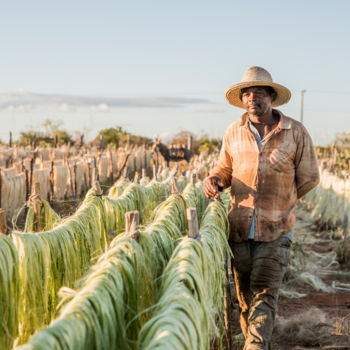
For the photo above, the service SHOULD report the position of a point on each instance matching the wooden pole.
(52, 182)
(192, 218)
(155, 177)
(10, 139)
(0, 188)
(132, 222)
(97, 189)
(137, 177)
(102, 142)
(194, 178)
(36, 208)
(110, 164)
(174, 188)
(31, 175)
(3, 223)
(190, 142)
(71, 179)
(75, 180)
(34, 141)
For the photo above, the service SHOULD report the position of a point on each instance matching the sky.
(158, 67)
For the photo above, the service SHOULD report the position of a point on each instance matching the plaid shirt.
(267, 182)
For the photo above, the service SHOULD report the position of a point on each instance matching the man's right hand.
(211, 186)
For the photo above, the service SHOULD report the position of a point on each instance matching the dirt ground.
(319, 319)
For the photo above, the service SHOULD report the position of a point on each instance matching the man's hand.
(211, 187)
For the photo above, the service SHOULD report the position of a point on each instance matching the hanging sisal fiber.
(43, 177)
(13, 193)
(9, 292)
(191, 296)
(81, 177)
(56, 258)
(48, 217)
(109, 309)
(103, 168)
(9, 171)
(61, 176)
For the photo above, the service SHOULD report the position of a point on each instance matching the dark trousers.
(258, 269)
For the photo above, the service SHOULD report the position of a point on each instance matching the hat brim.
(232, 93)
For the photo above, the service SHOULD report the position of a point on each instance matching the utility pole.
(302, 106)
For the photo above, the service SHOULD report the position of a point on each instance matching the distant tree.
(181, 138)
(119, 137)
(199, 143)
(46, 137)
(207, 144)
(342, 140)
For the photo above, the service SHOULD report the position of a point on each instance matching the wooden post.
(89, 173)
(31, 175)
(132, 222)
(157, 158)
(0, 188)
(110, 164)
(71, 179)
(159, 171)
(144, 173)
(10, 139)
(176, 169)
(75, 180)
(97, 189)
(190, 142)
(102, 142)
(192, 218)
(81, 140)
(52, 179)
(36, 208)
(155, 177)
(3, 223)
(174, 188)
(137, 177)
(97, 175)
(126, 173)
(194, 178)
(34, 141)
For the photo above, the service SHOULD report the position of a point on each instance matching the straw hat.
(256, 76)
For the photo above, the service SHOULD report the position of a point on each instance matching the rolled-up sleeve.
(223, 169)
(307, 174)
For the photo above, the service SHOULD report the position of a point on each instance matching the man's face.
(257, 100)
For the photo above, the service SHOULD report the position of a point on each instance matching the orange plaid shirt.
(269, 181)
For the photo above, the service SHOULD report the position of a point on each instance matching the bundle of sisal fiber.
(13, 192)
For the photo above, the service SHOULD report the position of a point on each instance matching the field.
(114, 250)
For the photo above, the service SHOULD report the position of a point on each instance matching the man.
(269, 162)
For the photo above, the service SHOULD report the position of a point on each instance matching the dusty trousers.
(258, 269)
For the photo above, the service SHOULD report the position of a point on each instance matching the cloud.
(102, 107)
(19, 108)
(64, 108)
(19, 99)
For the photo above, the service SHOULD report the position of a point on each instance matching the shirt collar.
(284, 123)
